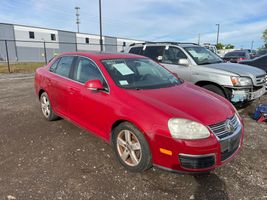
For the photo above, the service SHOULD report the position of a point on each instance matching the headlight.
(241, 81)
(186, 129)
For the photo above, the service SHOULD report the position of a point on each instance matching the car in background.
(150, 116)
(237, 83)
(259, 62)
(237, 56)
(261, 52)
(211, 47)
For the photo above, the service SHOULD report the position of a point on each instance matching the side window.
(86, 70)
(173, 55)
(64, 66)
(54, 65)
(154, 52)
(136, 50)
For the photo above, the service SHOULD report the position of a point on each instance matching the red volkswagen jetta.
(150, 116)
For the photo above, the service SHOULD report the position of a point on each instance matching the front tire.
(47, 108)
(131, 148)
(215, 89)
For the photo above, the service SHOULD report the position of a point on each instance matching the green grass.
(20, 67)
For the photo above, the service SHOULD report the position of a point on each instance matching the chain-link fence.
(19, 55)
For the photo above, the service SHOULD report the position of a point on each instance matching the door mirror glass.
(183, 61)
(94, 85)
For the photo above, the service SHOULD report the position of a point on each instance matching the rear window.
(236, 53)
(136, 50)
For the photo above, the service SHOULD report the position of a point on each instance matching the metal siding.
(66, 37)
(110, 44)
(7, 33)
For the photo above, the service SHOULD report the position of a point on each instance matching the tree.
(264, 36)
(219, 46)
(229, 46)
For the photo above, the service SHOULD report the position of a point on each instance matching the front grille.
(194, 162)
(261, 80)
(220, 129)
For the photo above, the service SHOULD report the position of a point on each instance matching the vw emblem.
(229, 127)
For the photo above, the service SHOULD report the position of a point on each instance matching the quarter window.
(54, 66)
(172, 55)
(64, 66)
(136, 50)
(154, 52)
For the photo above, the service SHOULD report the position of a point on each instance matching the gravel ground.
(57, 160)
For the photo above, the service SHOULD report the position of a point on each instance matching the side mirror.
(183, 61)
(94, 85)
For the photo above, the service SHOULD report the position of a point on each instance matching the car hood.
(242, 70)
(186, 101)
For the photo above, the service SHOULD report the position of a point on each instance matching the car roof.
(165, 44)
(103, 55)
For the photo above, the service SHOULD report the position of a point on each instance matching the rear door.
(58, 84)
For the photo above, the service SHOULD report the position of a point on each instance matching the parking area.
(57, 160)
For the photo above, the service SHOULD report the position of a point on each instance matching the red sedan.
(150, 116)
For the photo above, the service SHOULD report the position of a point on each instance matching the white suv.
(238, 83)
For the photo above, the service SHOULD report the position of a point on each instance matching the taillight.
(240, 59)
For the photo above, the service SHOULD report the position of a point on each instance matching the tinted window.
(236, 53)
(54, 65)
(87, 70)
(154, 52)
(173, 55)
(64, 66)
(87, 40)
(136, 50)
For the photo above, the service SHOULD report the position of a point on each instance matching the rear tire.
(131, 148)
(47, 108)
(215, 89)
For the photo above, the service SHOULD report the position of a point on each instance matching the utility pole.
(100, 26)
(198, 42)
(77, 18)
(218, 32)
(252, 43)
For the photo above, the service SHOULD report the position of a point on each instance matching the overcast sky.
(242, 21)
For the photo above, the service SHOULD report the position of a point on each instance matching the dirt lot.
(57, 160)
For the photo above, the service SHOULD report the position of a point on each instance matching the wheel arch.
(226, 91)
(117, 123)
(41, 91)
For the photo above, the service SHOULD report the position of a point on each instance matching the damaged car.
(237, 83)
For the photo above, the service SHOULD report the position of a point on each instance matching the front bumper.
(196, 155)
(246, 94)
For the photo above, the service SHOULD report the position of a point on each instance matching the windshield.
(203, 56)
(139, 73)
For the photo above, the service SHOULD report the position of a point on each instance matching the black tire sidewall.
(215, 89)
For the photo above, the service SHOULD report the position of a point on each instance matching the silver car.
(196, 64)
